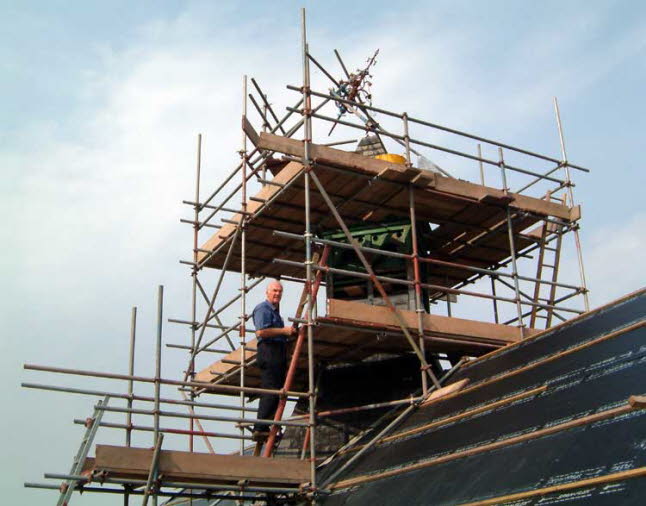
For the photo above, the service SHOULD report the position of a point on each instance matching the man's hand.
(290, 331)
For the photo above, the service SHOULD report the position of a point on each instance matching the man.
(272, 352)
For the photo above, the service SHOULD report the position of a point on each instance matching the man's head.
(274, 292)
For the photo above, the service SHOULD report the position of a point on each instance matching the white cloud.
(614, 259)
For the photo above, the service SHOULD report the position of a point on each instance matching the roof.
(552, 419)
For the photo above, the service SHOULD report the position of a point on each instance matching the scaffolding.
(478, 235)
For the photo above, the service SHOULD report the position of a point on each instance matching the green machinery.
(395, 236)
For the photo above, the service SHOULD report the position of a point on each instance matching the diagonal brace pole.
(154, 467)
(92, 425)
(377, 283)
(212, 302)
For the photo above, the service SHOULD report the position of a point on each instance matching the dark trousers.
(272, 361)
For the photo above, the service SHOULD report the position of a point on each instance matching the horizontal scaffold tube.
(441, 148)
(180, 484)
(118, 491)
(439, 288)
(168, 430)
(175, 414)
(405, 256)
(439, 127)
(134, 397)
(144, 379)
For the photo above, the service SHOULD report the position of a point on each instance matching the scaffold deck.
(340, 337)
(469, 219)
(134, 463)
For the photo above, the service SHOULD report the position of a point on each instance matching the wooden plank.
(637, 401)
(178, 465)
(433, 324)
(371, 166)
(250, 131)
(639, 472)
(444, 391)
(219, 367)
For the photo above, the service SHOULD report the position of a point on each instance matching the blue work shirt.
(266, 317)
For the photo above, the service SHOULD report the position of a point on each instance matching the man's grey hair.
(273, 282)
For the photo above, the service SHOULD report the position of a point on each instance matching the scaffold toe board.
(341, 337)
(469, 220)
(134, 463)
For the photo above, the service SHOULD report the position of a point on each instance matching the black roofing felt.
(611, 318)
(567, 456)
(586, 381)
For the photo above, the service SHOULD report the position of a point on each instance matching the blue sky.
(102, 103)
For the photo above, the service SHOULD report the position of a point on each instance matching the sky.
(102, 105)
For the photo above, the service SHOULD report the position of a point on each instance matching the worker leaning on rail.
(272, 352)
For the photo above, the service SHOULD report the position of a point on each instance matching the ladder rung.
(548, 265)
(548, 248)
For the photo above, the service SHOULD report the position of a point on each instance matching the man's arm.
(275, 332)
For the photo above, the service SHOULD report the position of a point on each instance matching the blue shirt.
(266, 317)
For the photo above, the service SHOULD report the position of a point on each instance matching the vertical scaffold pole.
(131, 372)
(243, 265)
(419, 310)
(158, 348)
(481, 165)
(418, 289)
(160, 306)
(307, 109)
(494, 299)
(196, 230)
(568, 183)
(512, 248)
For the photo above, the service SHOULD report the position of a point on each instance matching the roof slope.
(552, 411)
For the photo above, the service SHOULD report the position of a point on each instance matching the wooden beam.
(433, 324)
(444, 391)
(250, 131)
(200, 467)
(395, 172)
(639, 472)
(637, 401)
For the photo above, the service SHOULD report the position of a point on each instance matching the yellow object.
(389, 157)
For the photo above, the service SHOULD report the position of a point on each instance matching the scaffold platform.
(471, 225)
(129, 463)
(352, 331)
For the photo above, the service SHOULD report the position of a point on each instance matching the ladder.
(92, 425)
(543, 258)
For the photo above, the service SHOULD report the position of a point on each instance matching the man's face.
(274, 293)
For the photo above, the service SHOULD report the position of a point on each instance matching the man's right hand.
(290, 331)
